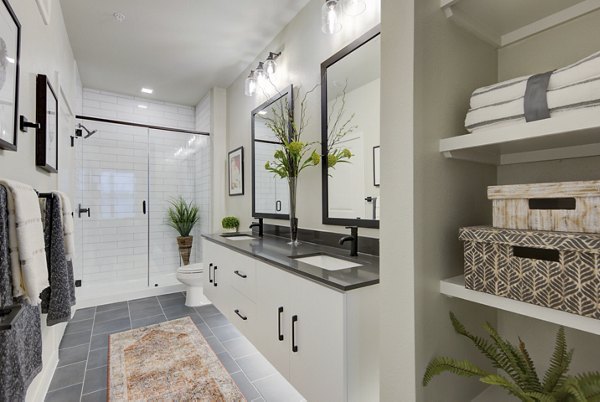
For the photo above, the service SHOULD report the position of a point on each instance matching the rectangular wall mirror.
(270, 193)
(350, 121)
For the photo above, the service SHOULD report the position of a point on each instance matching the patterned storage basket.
(562, 207)
(551, 269)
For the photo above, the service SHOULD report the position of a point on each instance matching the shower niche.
(126, 177)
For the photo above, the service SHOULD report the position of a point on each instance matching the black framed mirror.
(270, 193)
(350, 133)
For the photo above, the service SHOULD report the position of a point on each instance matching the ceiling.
(179, 48)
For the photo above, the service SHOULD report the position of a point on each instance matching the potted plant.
(520, 378)
(182, 216)
(231, 222)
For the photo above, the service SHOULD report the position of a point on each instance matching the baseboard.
(51, 337)
(83, 302)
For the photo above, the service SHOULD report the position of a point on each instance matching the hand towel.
(21, 346)
(57, 298)
(26, 236)
(512, 89)
(68, 225)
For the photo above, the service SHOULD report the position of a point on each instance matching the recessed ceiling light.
(147, 90)
(119, 17)
(10, 60)
(143, 106)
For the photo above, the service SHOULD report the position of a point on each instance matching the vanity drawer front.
(242, 271)
(242, 313)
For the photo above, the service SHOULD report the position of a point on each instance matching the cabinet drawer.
(242, 313)
(242, 271)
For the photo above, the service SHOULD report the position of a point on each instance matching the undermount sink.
(327, 262)
(237, 236)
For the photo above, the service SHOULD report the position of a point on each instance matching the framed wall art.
(10, 51)
(236, 171)
(46, 144)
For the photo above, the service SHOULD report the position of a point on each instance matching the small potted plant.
(182, 216)
(231, 222)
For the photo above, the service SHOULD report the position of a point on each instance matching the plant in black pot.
(231, 223)
(182, 217)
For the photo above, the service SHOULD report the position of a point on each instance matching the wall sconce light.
(261, 74)
(354, 7)
(330, 17)
(271, 64)
(250, 84)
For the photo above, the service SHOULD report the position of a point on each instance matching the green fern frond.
(462, 368)
(541, 397)
(590, 385)
(559, 363)
(513, 389)
(572, 388)
(533, 380)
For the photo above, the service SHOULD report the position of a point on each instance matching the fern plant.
(182, 216)
(519, 377)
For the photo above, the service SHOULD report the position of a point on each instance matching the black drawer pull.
(215, 276)
(553, 203)
(294, 346)
(241, 275)
(279, 313)
(239, 315)
(536, 253)
(210, 272)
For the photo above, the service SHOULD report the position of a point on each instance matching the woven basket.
(558, 270)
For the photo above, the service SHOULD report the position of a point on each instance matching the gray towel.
(59, 297)
(21, 346)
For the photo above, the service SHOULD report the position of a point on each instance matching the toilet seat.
(191, 269)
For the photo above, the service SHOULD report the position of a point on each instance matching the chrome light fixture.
(330, 17)
(250, 84)
(354, 7)
(271, 64)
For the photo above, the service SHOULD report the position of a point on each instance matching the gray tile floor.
(82, 367)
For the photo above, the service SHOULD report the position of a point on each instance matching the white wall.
(304, 47)
(45, 49)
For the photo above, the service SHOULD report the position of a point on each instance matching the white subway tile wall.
(119, 168)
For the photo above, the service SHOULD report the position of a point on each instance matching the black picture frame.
(46, 144)
(232, 154)
(288, 93)
(6, 61)
(377, 166)
(327, 220)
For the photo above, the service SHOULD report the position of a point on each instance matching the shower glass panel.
(127, 177)
(114, 184)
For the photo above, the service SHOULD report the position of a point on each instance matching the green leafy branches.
(230, 222)
(338, 128)
(182, 216)
(521, 379)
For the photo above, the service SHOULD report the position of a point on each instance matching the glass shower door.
(174, 159)
(112, 215)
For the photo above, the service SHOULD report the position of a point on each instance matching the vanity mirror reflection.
(270, 193)
(350, 121)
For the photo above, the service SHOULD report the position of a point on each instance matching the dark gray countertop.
(275, 251)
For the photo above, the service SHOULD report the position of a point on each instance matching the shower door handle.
(144, 207)
(83, 211)
(278, 206)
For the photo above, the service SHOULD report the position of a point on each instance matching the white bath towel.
(27, 247)
(581, 94)
(68, 225)
(513, 89)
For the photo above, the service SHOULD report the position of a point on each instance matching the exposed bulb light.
(147, 91)
(10, 60)
(142, 106)
(330, 17)
(354, 7)
(250, 84)
(261, 74)
(271, 64)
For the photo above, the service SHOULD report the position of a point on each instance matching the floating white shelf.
(574, 135)
(455, 287)
(502, 23)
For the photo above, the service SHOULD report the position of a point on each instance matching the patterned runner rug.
(168, 362)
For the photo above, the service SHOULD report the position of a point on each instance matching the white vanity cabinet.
(324, 341)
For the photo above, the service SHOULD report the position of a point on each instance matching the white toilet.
(191, 277)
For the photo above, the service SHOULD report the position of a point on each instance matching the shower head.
(88, 132)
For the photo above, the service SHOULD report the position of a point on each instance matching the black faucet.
(353, 238)
(258, 224)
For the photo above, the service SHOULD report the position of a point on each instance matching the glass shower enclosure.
(127, 177)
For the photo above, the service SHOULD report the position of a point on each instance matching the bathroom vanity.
(312, 311)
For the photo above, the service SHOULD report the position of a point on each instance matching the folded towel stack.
(570, 88)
